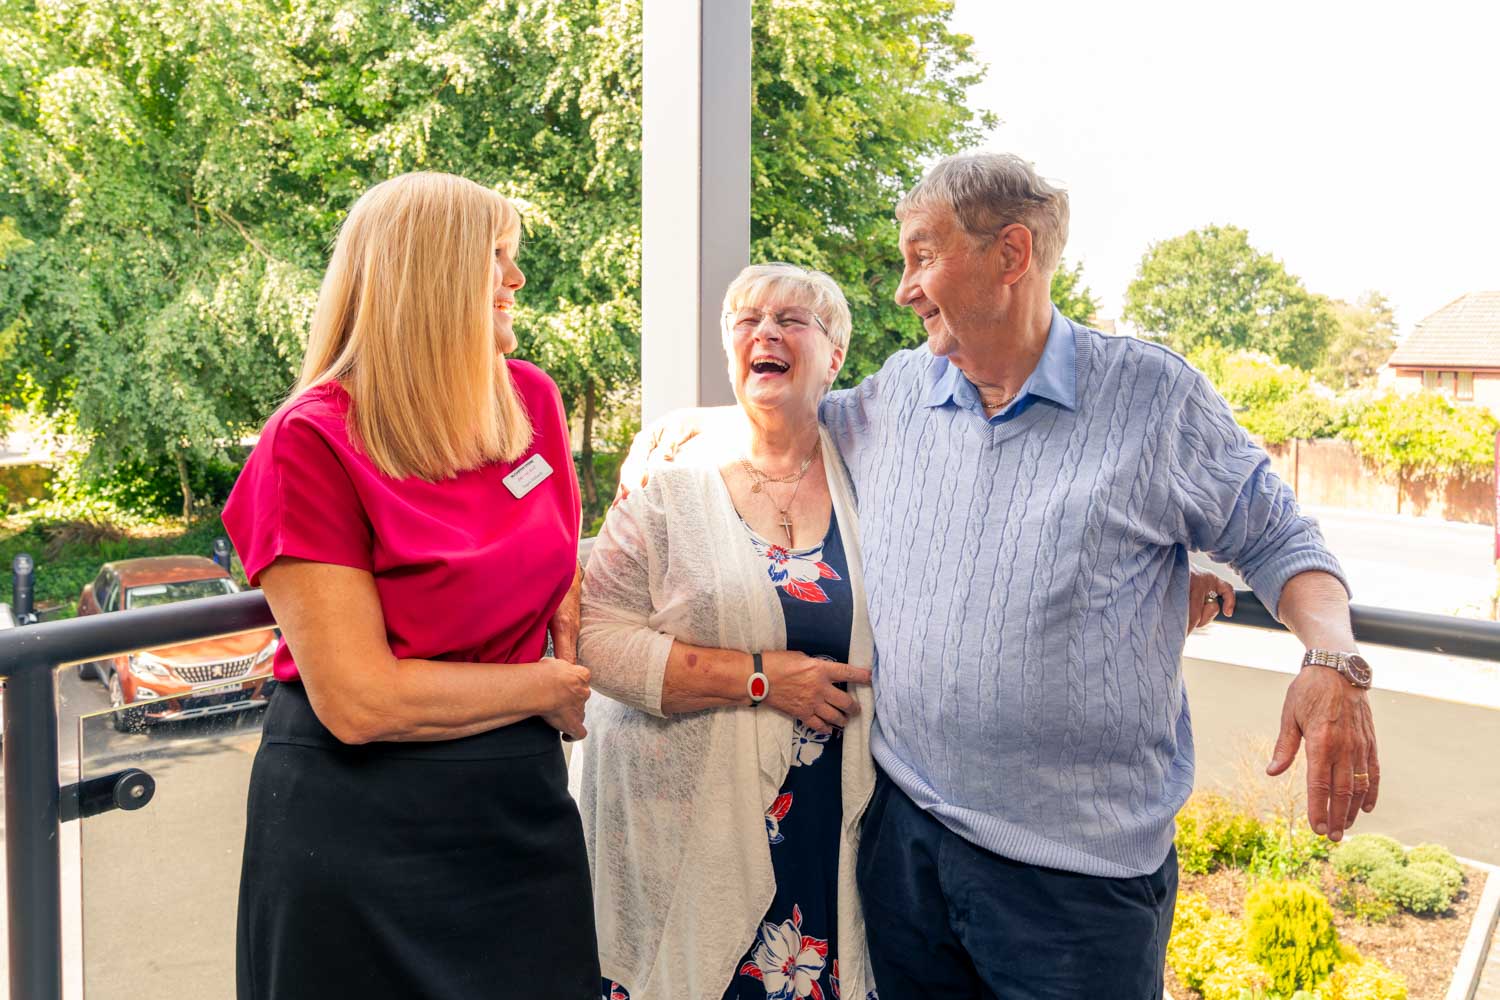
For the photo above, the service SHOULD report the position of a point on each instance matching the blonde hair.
(404, 321)
(989, 191)
(813, 289)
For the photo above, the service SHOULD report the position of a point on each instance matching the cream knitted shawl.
(674, 808)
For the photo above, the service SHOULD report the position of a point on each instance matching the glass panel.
(160, 883)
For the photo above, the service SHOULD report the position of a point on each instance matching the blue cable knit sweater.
(1028, 584)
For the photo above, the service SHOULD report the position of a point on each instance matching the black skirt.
(446, 870)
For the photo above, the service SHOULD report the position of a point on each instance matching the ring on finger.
(1212, 597)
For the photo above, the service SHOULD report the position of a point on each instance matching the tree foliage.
(850, 100)
(1365, 339)
(1423, 435)
(1210, 286)
(1072, 297)
(1274, 401)
(172, 174)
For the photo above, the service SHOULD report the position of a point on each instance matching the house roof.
(1465, 333)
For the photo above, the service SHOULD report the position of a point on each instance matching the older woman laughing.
(726, 773)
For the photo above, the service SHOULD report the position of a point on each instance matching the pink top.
(465, 570)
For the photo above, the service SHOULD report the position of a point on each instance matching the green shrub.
(1212, 833)
(1207, 952)
(1288, 852)
(1420, 888)
(1362, 854)
(1437, 854)
(1364, 980)
(1289, 932)
(1363, 903)
(1423, 435)
(1451, 880)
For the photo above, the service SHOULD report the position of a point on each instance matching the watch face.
(1359, 670)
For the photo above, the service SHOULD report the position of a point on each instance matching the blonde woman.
(412, 515)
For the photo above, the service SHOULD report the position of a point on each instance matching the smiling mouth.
(769, 366)
(503, 306)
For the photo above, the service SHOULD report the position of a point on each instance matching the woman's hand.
(803, 687)
(1202, 608)
(569, 686)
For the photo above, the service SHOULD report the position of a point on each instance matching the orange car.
(166, 679)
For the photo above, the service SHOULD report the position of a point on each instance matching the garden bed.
(1423, 950)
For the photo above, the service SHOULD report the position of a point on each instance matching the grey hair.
(812, 289)
(989, 191)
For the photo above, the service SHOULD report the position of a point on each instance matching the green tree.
(1072, 297)
(1365, 340)
(850, 100)
(172, 174)
(1211, 286)
(1271, 400)
(175, 172)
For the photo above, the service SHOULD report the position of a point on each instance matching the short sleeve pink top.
(466, 570)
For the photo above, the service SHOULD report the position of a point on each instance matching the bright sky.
(1357, 142)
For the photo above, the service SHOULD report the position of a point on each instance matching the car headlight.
(267, 653)
(147, 666)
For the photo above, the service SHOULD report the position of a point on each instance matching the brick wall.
(1330, 473)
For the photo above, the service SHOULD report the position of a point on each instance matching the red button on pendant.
(757, 688)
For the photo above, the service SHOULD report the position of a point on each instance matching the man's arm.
(1234, 507)
(1323, 708)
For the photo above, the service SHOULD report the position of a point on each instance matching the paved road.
(1418, 564)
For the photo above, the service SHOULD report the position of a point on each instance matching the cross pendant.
(786, 525)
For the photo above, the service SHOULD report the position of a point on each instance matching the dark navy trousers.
(948, 919)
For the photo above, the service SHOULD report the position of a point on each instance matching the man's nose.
(906, 290)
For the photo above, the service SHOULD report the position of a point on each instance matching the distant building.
(1455, 351)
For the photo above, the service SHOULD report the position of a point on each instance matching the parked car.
(161, 685)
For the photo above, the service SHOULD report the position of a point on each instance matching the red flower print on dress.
(797, 572)
(788, 963)
(776, 814)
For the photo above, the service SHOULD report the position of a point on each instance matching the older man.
(1028, 492)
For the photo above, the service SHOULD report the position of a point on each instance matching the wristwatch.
(1353, 666)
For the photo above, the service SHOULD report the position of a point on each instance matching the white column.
(695, 194)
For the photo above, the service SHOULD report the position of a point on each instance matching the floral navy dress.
(795, 952)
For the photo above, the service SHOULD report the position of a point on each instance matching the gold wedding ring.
(1211, 597)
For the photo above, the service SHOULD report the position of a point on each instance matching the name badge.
(525, 477)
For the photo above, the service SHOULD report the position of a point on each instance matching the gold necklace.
(759, 480)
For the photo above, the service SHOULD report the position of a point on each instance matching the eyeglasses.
(788, 321)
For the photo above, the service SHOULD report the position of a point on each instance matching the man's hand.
(1343, 768)
(1202, 608)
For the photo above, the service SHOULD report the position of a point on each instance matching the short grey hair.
(812, 289)
(989, 191)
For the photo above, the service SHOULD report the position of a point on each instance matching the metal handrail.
(30, 657)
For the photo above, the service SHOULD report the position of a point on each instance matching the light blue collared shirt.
(1055, 378)
(1027, 584)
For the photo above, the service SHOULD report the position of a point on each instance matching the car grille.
(209, 673)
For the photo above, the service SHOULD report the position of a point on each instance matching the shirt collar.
(1055, 376)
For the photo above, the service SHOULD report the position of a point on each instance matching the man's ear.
(1015, 252)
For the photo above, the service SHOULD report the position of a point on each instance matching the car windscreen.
(150, 595)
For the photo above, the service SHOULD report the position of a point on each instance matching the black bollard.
(23, 589)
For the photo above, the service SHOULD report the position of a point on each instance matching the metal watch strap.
(1334, 660)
